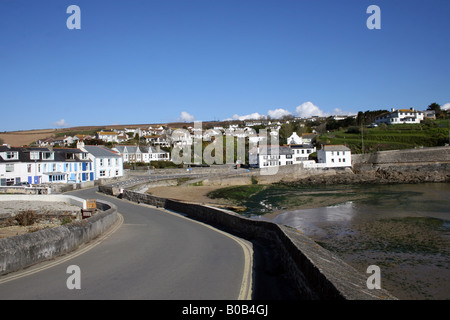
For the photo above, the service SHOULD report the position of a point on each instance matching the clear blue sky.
(147, 61)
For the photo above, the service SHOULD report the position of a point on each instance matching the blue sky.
(147, 61)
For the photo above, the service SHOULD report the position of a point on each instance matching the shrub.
(66, 220)
(26, 217)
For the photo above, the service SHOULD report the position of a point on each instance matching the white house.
(294, 139)
(144, 154)
(44, 165)
(302, 151)
(271, 156)
(106, 163)
(332, 156)
(400, 116)
(108, 136)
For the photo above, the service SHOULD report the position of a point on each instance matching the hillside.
(26, 137)
(393, 137)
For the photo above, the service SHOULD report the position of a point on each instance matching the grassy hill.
(392, 137)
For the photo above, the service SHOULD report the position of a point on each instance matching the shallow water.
(404, 229)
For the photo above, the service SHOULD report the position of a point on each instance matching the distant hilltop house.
(108, 136)
(145, 154)
(400, 116)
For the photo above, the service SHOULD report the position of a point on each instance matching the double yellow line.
(49, 264)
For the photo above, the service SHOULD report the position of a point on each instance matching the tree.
(435, 107)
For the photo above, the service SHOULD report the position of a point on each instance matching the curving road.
(154, 254)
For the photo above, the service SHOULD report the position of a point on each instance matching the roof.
(302, 146)
(275, 150)
(107, 133)
(101, 152)
(59, 154)
(335, 148)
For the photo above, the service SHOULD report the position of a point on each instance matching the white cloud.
(253, 116)
(186, 117)
(278, 113)
(446, 106)
(340, 112)
(308, 109)
(61, 123)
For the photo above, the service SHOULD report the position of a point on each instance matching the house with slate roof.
(44, 165)
(333, 156)
(106, 162)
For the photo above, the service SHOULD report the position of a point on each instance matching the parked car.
(23, 184)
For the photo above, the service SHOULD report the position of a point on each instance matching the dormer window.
(12, 155)
(47, 156)
(34, 155)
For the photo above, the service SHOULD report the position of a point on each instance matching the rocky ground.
(47, 215)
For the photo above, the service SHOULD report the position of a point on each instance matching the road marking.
(245, 292)
(58, 260)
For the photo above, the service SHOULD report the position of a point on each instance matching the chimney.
(392, 109)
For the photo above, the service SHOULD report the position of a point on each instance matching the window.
(101, 163)
(29, 168)
(11, 155)
(117, 172)
(47, 156)
(102, 173)
(9, 167)
(34, 155)
(109, 162)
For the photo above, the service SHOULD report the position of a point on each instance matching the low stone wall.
(23, 190)
(28, 249)
(315, 272)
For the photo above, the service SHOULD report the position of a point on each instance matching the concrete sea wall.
(25, 250)
(313, 271)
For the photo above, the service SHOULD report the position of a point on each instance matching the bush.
(66, 220)
(353, 130)
(26, 217)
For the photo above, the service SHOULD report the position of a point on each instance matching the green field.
(392, 137)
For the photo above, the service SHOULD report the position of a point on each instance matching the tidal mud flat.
(403, 229)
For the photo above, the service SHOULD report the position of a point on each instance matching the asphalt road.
(154, 254)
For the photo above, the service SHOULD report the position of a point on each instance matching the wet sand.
(198, 194)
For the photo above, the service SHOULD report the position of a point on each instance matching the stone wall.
(408, 156)
(28, 249)
(315, 272)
